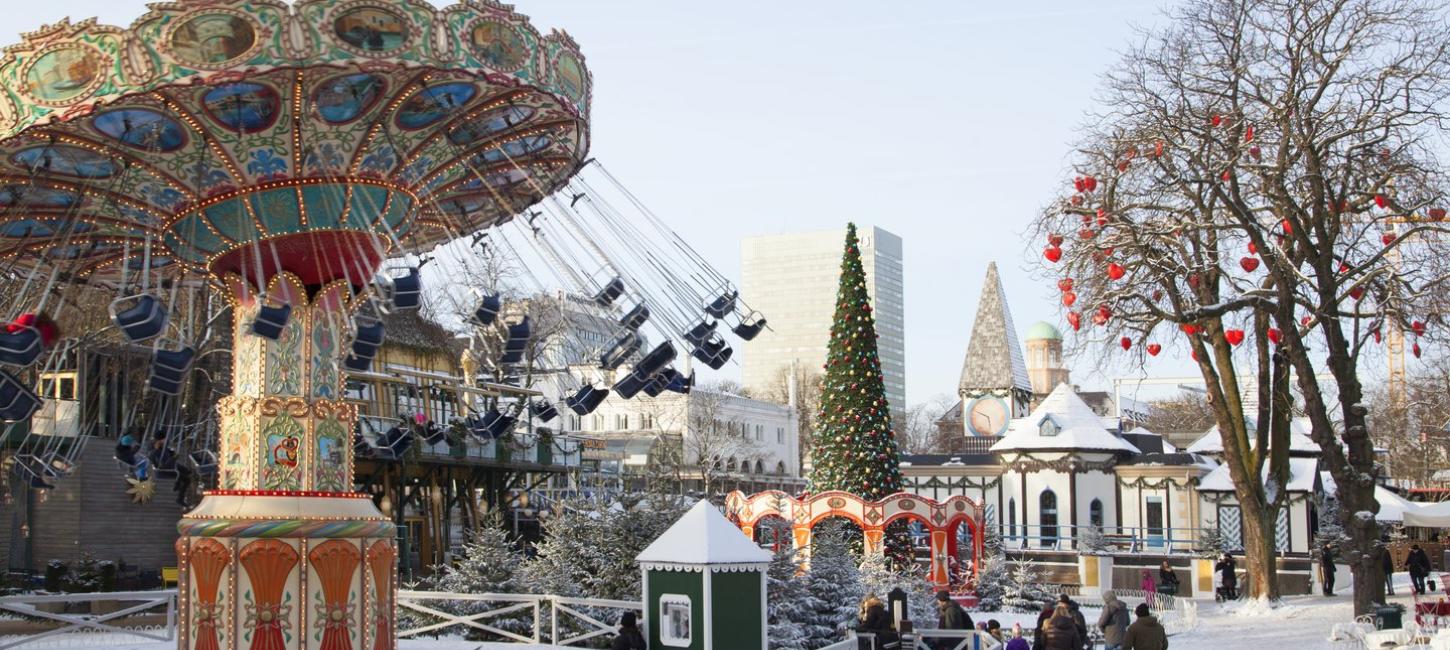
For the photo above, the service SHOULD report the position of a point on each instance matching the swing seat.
(722, 304)
(543, 411)
(357, 364)
(396, 441)
(17, 401)
(714, 352)
(586, 400)
(405, 292)
(656, 360)
(749, 328)
(368, 339)
(433, 434)
(609, 292)
(21, 347)
(516, 341)
(169, 369)
(626, 347)
(203, 462)
(681, 383)
(270, 320)
(631, 384)
(635, 318)
(657, 384)
(494, 424)
(701, 332)
(487, 311)
(140, 318)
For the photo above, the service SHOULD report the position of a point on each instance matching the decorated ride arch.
(939, 518)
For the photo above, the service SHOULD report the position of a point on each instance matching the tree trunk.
(1261, 579)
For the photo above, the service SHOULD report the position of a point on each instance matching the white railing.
(924, 639)
(126, 603)
(570, 620)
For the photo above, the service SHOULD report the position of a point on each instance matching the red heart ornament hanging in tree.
(1253, 249)
(1054, 239)
(1065, 284)
(1116, 271)
(1437, 214)
(1379, 201)
(1388, 238)
(1125, 342)
(1086, 233)
(1234, 337)
(1189, 328)
(1274, 335)
(1053, 254)
(1075, 320)
(1154, 349)
(1068, 299)
(1416, 349)
(1249, 264)
(1256, 152)
(1356, 293)
(1418, 327)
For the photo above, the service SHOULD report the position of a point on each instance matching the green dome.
(1043, 331)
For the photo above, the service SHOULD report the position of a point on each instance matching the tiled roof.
(994, 359)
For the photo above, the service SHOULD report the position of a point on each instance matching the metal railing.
(922, 639)
(52, 608)
(569, 620)
(1142, 539)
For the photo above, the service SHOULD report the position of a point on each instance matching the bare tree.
(717, 442)
(1186, 411)
(807, 403)
(919, 425)
(1266, 172)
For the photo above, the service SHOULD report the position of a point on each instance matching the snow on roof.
(1299, 440)
(1074, 426)
(1392, 506)
(703, 536)
(1302, 475)
(1140, 431)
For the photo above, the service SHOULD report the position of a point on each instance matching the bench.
(170, 576)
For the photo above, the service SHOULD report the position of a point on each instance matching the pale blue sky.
(946, 122)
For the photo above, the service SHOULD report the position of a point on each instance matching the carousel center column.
(285, 556)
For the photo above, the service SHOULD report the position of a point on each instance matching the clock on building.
(987, 415)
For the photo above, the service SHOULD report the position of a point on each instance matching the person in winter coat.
(1167, 580)
(629, 637)
(1148, 585)
(1387, 563)
(875, 620)
(1018, 643)
(1418, 565)
(1145, 633)
(1113, 621)
(1039, 638)
(1077, 619)
(1059, 632)
(1225, 568)
(1326, 569)
(950, 615)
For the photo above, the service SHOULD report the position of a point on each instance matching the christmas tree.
(487, 564)
(993, 581)
(855, 449)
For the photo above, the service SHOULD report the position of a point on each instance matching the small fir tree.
(992, 535)
(1024, 588)
(1092, 541)
(992, 583)
(487, 563)
(788, 601)
(1211, 544)
(879, 575)
(834, 587)
(1331, 523)
(855, 448)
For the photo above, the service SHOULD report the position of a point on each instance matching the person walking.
(1113, 621)
(1167, 580)
(1060, 632)
(629, 637)
(1418, 565)
(1039, 634)
(1145, 633)
(1230, 580)
(1326, 568)
(1078, 619)
(951, 616)
(1387, 563)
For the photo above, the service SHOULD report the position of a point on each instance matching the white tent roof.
(1077, 427)
(1393, 507)
(703, 536)
(1429, 515)
(1302, 472)
(1299, 440)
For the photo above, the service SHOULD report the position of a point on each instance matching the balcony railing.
(1166, 540)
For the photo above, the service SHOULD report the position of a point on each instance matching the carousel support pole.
(937, 573)
(874, 537)
(801, 533)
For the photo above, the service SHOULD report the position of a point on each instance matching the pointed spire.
(994, 359)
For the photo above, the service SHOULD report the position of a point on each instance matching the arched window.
(780, 468)
(1047, 517)
(1095, 513)
(1011, 518)
(759, 467)
(730, 465)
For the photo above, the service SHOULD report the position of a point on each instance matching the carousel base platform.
(263, 570)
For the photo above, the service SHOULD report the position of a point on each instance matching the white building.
(793, 279)
(749, 443)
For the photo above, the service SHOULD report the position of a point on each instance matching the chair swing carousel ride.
(304, 161)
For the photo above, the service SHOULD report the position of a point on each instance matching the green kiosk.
(704, 585)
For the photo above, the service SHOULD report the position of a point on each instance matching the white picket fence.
(99, 619)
